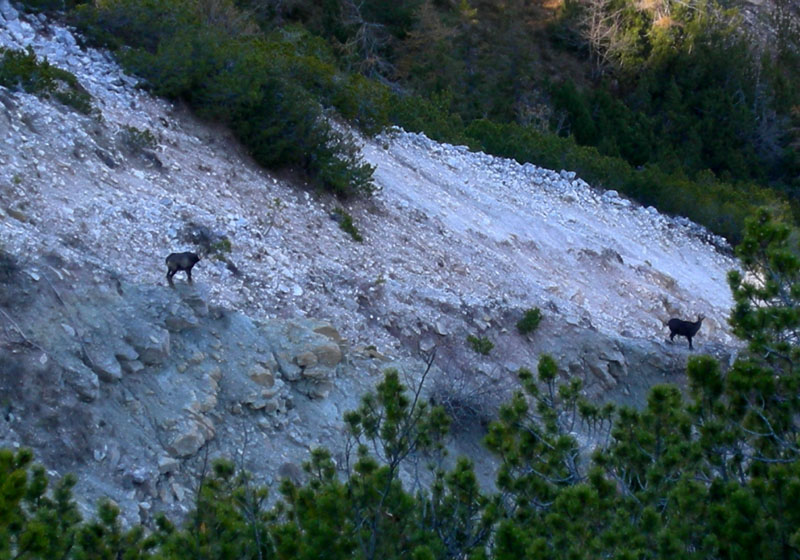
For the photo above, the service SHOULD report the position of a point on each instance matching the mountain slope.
(455, 244)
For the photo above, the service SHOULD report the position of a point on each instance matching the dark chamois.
(181, 261)
(684, 328)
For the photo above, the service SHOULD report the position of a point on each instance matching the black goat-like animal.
(181, 261)
(684, 328)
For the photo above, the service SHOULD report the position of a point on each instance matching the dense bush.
(51, 5)
(432, 116)
(21, 69)
(673, 86)
(266, 88)
(689, 113)
(530, 321)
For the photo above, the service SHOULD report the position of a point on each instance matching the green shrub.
(431, 116)
(346, 224)
(481, 345)
(50, 5)
(530, 321)
(265, 88)
(134, 23)
(21, 69)
(137, 140)
(365, 102)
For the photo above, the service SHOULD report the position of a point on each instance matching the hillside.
(108, 373)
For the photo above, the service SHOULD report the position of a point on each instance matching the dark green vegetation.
(480, 344)
(346, 224)
(671, 103)
(267, 87)
(711, 474)
(530, 321)
(20, 69)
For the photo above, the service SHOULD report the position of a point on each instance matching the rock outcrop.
(138, 379)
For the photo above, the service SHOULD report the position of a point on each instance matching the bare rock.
(330, 332)
(84, 381)
(149, 341)
(168, 464)
(179, 318)
(190, 437)
(306, 359)
(328, 354)
(104, 364)
(262, 376)
(315, 389)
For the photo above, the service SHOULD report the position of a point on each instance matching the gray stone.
(262, 376)
(131, 366)
(315, 389)
(330, 332)
(288, 369)
(196, 302)
(84, 381)
(7, 12)
(180, 318)
(317, 373)
(123, 351)
(106, 366)
(168, 464)
(306, 359)
(149, 341)
(140, 475)
(188, 442)
(328, 354)
(178, 491)
(426, 344)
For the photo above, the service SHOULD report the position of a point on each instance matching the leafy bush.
(137, 140)
(346, 224)
(431, 116)
(530, 321)
(21, 69)
(364, 102)
(481, 345)
(135, 23)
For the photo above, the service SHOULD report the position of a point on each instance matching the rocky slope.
(107, 372)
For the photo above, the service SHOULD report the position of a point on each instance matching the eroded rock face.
(157, 390)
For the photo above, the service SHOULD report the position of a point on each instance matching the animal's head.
(194, 257)
(700, 318)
